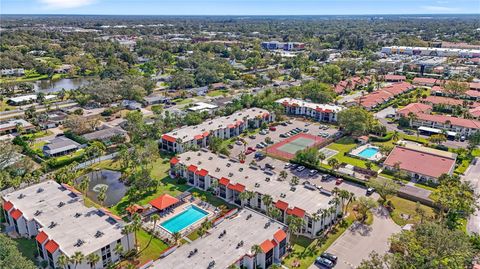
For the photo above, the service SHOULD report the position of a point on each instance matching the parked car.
(284, 123)
(259, 146)
(300, 168)
(264, 144)
(248, 152)
(339, 181)
(252, 136)
(305, 130)
(283, 136)
(329, 257)
(312, 172)
(259, 155)
(324, 262)
(294, 166)
(287, 165)
(252, 149)
(238, 142)
(370, 191)
(269, 166)
(272, 128)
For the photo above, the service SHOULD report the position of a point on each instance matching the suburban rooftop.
(224, 250)
(310, 105)
(65, 219)
(256, 180)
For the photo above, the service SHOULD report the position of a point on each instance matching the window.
(106, 255)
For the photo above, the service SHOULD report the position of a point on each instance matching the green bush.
(385, 138)
(63, 161)
(77, 138)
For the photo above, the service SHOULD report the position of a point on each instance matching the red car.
(272, 128)
(248, 152)
(339, 181)
(251, 149)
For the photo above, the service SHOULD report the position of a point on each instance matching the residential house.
(60, 146)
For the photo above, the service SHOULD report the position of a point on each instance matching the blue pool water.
(368, 153)
(181, 221)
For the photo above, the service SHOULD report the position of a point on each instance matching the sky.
(239, 7)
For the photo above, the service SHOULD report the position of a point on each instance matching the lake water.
(48, 86)
(116, 189)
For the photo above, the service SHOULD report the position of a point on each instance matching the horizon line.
(223, 15)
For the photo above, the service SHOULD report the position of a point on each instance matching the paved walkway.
(360, 240)
(473, 176)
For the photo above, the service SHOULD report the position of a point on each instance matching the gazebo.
(163, 202)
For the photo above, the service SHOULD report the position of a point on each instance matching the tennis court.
(287, 148)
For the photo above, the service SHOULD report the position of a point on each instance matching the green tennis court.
(298, 144)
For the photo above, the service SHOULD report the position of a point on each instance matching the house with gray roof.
(60, 146)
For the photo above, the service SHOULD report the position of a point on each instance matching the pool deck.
(356, 152)
(177, 210)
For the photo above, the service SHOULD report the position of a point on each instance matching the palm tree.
(267, 200)
(333, 162)
(294, 181)
(176, 237)
(92, 259)
(63, 261)
(119, 250)
(255, 250)
(283, 174)
(396, 136)
(136, 226)
(155, 218)
(274, 212)
(294, 225)
(102, 194)
(245, 196)
(127, 229)
(321, 157)
(77, 258)
(83, 186)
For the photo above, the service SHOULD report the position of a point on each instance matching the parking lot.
(275, 135)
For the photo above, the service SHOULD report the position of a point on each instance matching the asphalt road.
(355, 244)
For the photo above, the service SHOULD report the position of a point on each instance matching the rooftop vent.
(249, 216)
(267, 225)
(98, 234)
(267, 179)
(37, 213)
(61, 204)
(217, 170)
(79, 243)
(39, 190)
(229, 164)
(210, 158)
(230, 174)
(77, 215)
(240, 169)
(21, 196)
(257, 185)
(283, 195)
(52, 225)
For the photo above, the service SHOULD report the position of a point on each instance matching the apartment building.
(383, 95)
(229, 243)
(13, 126)
(61, 224)
(426, 51)
(463, 127)
(351, 84)
(230, 178)
(318, 112)
(223, 127)
(289, 46)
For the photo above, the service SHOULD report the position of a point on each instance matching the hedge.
(60, 162)
(385, 138)
(77, 138)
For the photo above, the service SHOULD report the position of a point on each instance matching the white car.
(300, 168)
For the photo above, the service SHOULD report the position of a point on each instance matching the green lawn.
(305, 250)
(27, 247)
(38, 134)
(154, 249)
(406, 207)
(216, 93)
(343, 146)
(183, 101)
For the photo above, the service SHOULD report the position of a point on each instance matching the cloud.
(440, 9)
(65, 4)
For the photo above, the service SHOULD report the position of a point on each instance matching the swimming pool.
(368, 153)
(189, 216)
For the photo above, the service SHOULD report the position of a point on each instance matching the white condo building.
(61, 224)
(318, 112)
(204, 170)
(223, 127)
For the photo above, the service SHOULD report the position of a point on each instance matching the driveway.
(473, 176)
(382, 114)
(360, 240)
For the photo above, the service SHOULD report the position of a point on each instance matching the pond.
(48, 86)
(116, 189)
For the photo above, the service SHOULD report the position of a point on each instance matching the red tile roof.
(230, 126)
(198, 137)
(224, 181)
(51, 246)
(16, 214)
(169, 138)
(192, 168)
(202, 172)
(266, 246)
(280, 235)
(475, 85)
(439, 100)
(163, 201)
(237, 187)
(418, 162)
(41, 237)
(281, 205)
(205, 134)
(296, 212)
(174, 160)
(414, 108)
(394, 77)
(274, 243)
(7, 206)
(475, 112)
(466, 123)
(431, 81)
(384, 94)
